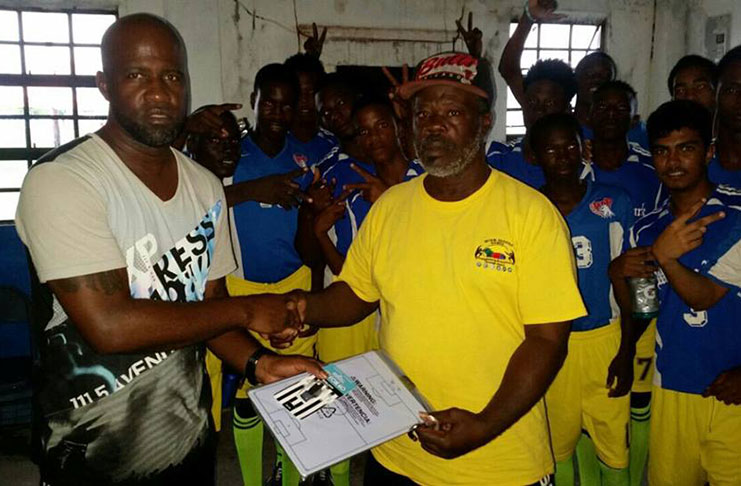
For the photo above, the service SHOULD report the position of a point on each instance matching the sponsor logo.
(495, 254)
(602, 208)
(301, 160)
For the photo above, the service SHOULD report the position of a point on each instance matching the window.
(48, 94)
(568, 42)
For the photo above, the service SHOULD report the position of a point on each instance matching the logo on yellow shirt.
(496, 254)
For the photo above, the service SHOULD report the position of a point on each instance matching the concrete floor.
(16, 469)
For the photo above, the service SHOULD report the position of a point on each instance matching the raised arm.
(509, 64)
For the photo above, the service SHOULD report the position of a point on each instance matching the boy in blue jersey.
(335, 98)
(593, 70)
(725, 167)
(615, 160)
(548, 88)
(694, 238)
(357, 185)
(598, 217)
(263, 237)
(694, 78)
(618, 162)
(305, 132)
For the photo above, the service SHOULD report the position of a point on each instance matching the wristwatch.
(251, 366)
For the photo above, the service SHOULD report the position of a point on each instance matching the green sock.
(639, 428)
(565, 472)
(614, 477)
(341, 473)
(586, 459)
(291, 477)
(248, 440)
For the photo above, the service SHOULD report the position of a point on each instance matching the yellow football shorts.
(643, 364)
(693, 440)
(300, 279)
(578, 399)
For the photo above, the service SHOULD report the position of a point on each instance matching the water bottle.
(645, 297)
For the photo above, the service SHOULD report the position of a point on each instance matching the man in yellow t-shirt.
(475, 278)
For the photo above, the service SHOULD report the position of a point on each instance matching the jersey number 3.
(583, 248)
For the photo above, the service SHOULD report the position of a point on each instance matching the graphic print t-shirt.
(82, 211)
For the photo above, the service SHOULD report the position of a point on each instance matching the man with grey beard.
(129, 245)
(475, 278)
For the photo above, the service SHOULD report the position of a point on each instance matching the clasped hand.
(279, 318)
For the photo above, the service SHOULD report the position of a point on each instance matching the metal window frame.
(538, 49)
(25, 81)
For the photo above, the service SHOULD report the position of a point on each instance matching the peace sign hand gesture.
(471, 36)
(680, 236)
(371, 189)
(315, 43)
(402, 109)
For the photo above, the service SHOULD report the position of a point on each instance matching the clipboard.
(383, 404)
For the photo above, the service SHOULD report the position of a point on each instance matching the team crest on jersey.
(602, 208)
(495, 254)
(301, 160)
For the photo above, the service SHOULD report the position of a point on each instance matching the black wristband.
(251, 366)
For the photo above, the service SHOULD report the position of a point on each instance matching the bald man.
(130, 246)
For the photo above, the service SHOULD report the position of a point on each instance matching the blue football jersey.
(637, 134)
(694, 347)
(636, 176)
(322, 147)
(719, 175)
(510, 159)
(357, 207)
(599, 226)
(264, 233)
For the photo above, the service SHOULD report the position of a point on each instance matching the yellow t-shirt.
(457, 282)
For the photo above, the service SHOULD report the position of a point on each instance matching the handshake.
(279, 318)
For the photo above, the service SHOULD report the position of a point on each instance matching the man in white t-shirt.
(129, 245)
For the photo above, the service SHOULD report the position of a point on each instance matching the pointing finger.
(363, 173)
(709, 219)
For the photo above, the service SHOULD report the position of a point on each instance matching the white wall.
(229, 40)
(698, 14)
(390, 32)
